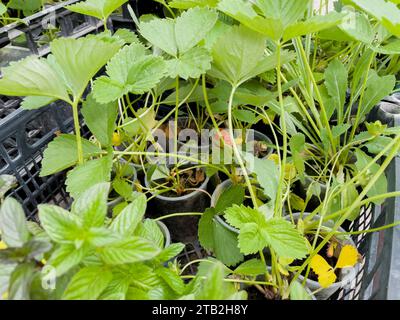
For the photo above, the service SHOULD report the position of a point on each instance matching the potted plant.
(178, 189)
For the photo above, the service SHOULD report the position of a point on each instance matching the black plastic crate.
(381, 280)
(23, 137)
(18, 40)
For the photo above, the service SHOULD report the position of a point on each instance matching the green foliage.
(238, 44)
(180, 37)
(61, 154)
(384, 11)
(130, 70)
(100, 119)
(100, 9)
(256, 233)
(279, 19)
(215, 237)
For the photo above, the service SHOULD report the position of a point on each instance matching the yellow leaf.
(4, 296)
(2, 245)
(290, 171)
(319, 265)
(274, 157)
(327, 279)
(282, 270)
(116, 139)
(348, 257)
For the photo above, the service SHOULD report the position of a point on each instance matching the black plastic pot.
(184, 228)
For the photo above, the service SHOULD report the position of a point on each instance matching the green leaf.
(243, 11)
(101, 236)
(380, 187)
(192, 27)
(182, 34)
(187, 4)
(65, 257)
(267, 174)
(130, 70)
(161, 33)
(358, 27)
(100, 9)
(235, 194)
(297, 147)
(150, 230)
(313, 25)
(377, 89)
(386, 12)
(256, 232)
(20, 282)
(5, 274)
(223, 242)
(88, 174)
(116, 289)
(377, 144)
(285, 239)
(336, 84)
(32, 77)
(60, 225)
(28, 7)
(393, 47)
(88, 284)
(144, 122)
(36, 102)
(7, 182)
(286, 11)
(251, 240)
(127, 36)
(134, 249)
(3, 9)
(100, 119)
(173, 280)
(123, 188)
(299, 292)
(80, 59)
(231, 54)
(14, 231)
(238, 216)
(171, 252)
(246, 116)
(91, 205)
(61, 154)
(127, 221)
(191, 64)
(253, 267)
(214, 287)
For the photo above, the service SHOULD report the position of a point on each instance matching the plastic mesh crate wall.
(23, 138)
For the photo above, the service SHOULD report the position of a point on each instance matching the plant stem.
(176, 116)
(236, 150)
(283, 158)
(183, 214)
(77, 130)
